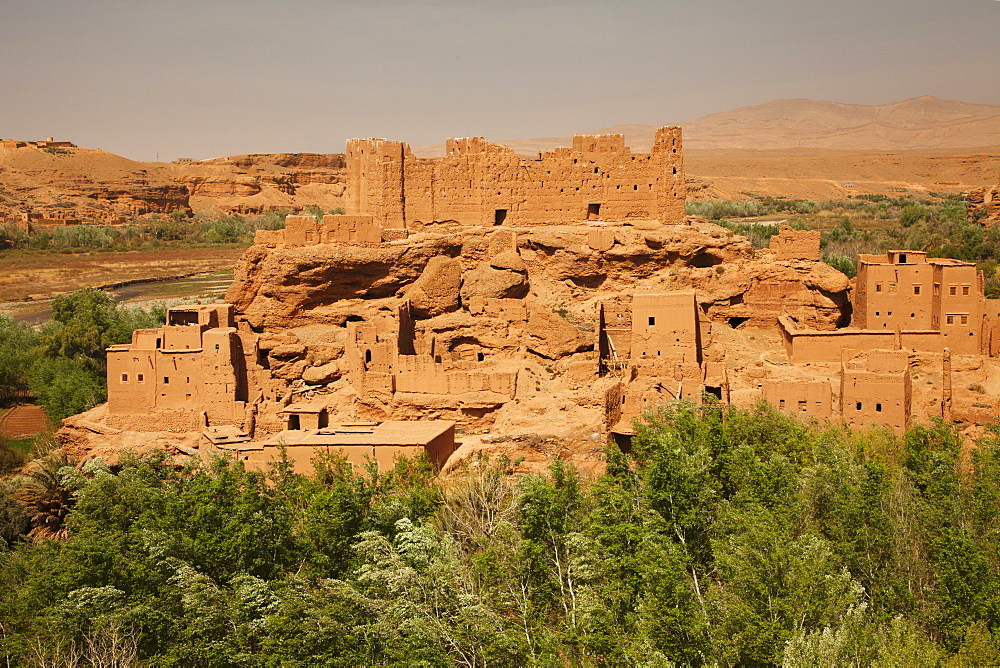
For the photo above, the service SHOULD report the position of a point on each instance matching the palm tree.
(46, 499)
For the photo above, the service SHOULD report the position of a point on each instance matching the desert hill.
(96, 186)
(919, 123)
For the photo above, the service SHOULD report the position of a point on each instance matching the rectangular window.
(953, 290)
(937, 288)
(878, 287)
(124, 377)
(857, 406)
(949, 320)
(652, 321)
(916, 289)
(965, 290)
(139, 378)
(166, 381)
(965, 320)
(878, 408)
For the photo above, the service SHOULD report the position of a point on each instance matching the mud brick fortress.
(483, 296)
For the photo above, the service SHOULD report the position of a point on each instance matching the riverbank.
(139, 278)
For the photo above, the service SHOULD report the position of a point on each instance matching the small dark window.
(368, 356)
(916, 289)
(902, 259)
(124, 377)
(480, 357)
(878, 408)
(139, 378)
(623, 399)
(216, 346)
(857, 406)
(965, 320)
(593, 210)
(965, 290)
(159, 343)
(652, 320)
(166, 380)
(878, 287)
(953, 290)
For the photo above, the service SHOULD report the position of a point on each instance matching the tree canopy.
(726, 536)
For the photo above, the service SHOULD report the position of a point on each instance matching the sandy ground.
(827, 174)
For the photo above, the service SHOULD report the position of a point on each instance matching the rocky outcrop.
(984, 205)
(552, 266)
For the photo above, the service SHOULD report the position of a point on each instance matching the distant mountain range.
(924, 122)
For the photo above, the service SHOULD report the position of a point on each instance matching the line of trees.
(726, 537)
(64, 364)
(174, 230)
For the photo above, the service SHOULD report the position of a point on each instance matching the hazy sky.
(204, 78)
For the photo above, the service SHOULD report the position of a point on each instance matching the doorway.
(593, 211)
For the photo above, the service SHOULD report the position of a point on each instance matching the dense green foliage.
(64, 365)
(869, 224)
(727, 537)
(175, 230)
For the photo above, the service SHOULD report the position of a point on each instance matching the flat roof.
(392, 432)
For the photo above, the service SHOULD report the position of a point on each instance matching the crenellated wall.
(483, 183)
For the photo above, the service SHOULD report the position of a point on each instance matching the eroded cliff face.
(95, 186)
(261, 182)
(89, 184)
(555, 267)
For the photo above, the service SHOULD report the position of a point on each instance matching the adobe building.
(306, 230)
(48, 142)
(790, 244)
(358, 442)
(653, 343)
(484, 183)
(904, 299)
(813, 397)
(876, 388)
(186, 374)
(905, 290)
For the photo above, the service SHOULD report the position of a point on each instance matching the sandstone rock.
(510, 261)
(552, 336)
(437, 289)
(489, 282)
(318, 375)
(288, 350)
